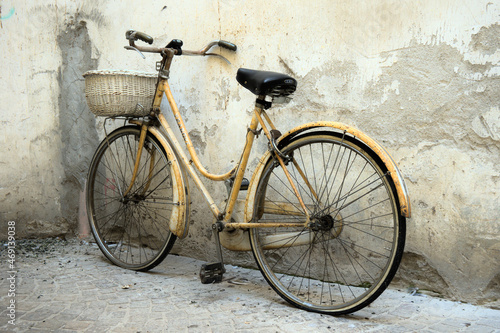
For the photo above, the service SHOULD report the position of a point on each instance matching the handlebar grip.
(227, 45)
(135, 35)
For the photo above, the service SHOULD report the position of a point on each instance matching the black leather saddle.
(266, 83)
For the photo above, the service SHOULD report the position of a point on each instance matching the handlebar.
(133, 35)
(174, 46)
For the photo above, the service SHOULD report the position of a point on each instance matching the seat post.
(261, 102)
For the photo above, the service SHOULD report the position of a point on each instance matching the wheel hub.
(325, 223)
(135, 198)
(328, 223)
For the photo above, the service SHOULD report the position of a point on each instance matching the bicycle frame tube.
(182, 127)
(171, 136)
(282, 163)
(237, 171)
(241, 169)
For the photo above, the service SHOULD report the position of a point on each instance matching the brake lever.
(135, 49)
(217, 55)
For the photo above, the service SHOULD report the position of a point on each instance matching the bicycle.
(325, 211)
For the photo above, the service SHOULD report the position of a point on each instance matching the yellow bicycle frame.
(179, 224)
(180, 227)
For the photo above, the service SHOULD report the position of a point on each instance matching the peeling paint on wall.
(77, 123)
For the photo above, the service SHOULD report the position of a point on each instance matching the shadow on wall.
(79, 135)
(417, 275)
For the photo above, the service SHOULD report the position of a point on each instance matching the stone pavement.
(70, 287)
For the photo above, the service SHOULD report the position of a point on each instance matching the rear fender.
(383, 155)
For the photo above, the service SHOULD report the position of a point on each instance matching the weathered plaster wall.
(420, 77)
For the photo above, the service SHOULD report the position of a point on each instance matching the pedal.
(212, 273)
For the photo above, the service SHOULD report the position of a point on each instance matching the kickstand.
(213, 272)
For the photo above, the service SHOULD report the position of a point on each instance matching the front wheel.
(130, 221)
(344, 257)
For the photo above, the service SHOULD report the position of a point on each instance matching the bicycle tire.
(131, 229)
(348, 254)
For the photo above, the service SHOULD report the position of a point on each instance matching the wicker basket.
(114, 93)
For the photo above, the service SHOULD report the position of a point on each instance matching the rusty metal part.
(163, 50)
(135, 49)
(204, 50)
(275, 134)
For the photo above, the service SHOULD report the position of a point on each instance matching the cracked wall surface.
(421, 78)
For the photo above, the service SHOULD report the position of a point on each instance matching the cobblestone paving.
(70, 287)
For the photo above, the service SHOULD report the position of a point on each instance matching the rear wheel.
(352, 246)
(130, 224)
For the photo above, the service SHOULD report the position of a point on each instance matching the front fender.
(179, 220)
(397, 177)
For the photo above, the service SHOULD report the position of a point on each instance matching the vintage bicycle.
(325, 210)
